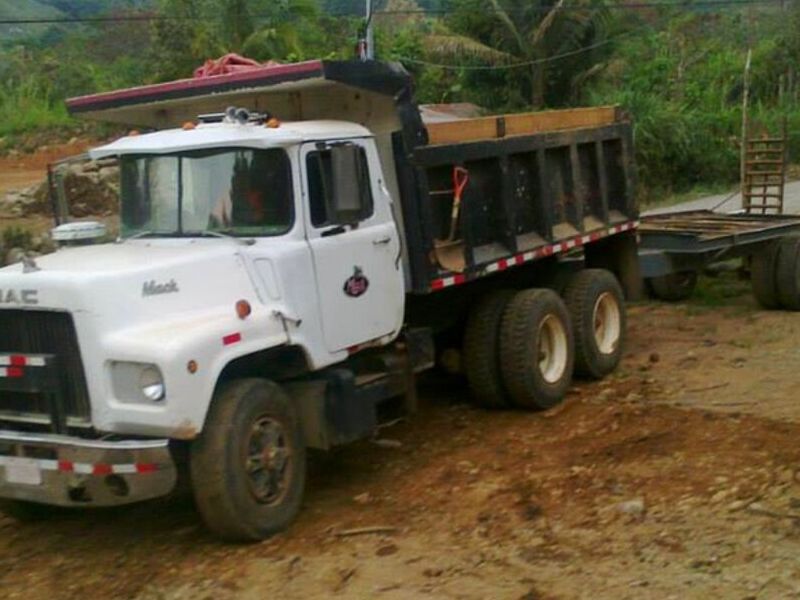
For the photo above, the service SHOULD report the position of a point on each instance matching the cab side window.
(339, 185)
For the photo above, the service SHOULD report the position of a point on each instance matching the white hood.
(134, 280)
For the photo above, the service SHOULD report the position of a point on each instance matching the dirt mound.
(91, 188)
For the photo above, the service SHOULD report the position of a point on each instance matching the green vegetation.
(676, 70)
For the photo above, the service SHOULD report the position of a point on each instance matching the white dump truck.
(284, 268)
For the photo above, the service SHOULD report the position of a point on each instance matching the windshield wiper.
(139, 234)
(221, 234)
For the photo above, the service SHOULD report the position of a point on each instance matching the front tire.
(597, 307)
(537, 349)
(249, 466)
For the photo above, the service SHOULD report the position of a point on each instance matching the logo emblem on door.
(356, 284)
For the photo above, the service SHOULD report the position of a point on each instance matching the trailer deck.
(675, 247)
(706, 231)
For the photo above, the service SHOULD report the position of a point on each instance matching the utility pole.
(745, 132)
(370, 54)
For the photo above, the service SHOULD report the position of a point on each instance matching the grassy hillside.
(25, 9)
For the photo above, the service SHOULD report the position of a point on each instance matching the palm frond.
(503, 17)
(457, 46)
(546, 23)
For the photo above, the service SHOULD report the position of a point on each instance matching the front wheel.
(248, 467)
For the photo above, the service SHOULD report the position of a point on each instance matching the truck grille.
(40, 332)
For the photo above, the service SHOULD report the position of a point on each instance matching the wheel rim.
(267, 460)
(607, 323)
(553, 349)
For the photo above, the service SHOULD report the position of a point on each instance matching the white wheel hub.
(607, 323)
(553, 349)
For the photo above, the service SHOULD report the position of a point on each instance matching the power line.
(527, 63)
(625, 6)
(434, 12)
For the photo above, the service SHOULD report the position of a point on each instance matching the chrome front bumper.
(69, 471)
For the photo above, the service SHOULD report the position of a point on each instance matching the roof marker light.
(189, 125)
(273, 123)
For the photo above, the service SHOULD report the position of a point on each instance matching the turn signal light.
(243, 309)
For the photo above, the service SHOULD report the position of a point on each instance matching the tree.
(509, 32)
(261, 29)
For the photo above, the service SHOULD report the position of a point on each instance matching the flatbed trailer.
(675, 247)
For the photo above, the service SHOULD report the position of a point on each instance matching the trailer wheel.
(537, 349)
(673, 287)
(481, 353)
(248, 467)
(597, 307)
(788, 273)
(763, 276)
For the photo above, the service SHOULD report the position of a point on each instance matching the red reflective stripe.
(102, 469)
(66, 465)
(17, 361)
(459, 279)
(14, 372)
(437, 284)
(232, 339)
(146, 467)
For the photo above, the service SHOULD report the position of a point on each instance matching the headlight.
(137, 383)
(152, 385)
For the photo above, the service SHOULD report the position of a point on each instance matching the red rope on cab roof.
(230, 63)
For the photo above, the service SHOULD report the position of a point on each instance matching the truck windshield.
(237, 191)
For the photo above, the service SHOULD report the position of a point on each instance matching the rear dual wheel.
(787, 273)
(775, 274)
(673, 287)
(537, 350)
(597, 306)
(518, 349)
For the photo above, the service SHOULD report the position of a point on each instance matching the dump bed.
(532, 185)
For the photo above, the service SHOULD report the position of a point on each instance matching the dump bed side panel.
(527, 196)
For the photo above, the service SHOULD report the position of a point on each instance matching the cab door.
(355, 244)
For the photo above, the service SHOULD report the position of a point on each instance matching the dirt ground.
(678, 477)
(675, 478)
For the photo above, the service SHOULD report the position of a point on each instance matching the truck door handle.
(382, 241)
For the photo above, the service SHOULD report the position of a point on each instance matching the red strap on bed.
(230, 63)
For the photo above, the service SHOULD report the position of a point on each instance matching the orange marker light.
(243, 309)
(273, 123)
(133, 132)
(189, 125)
(191, 366)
